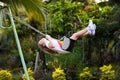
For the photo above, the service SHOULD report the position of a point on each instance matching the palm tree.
(34, 7)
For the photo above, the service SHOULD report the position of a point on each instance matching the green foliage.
(30, 73)
(67, 60)
(106, 10)
(58, 74)
(28, 7)
(63, 15)
(112, 2)
(5, 75)
(107, 73)
(86, 75)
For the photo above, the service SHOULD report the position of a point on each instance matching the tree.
(30, 7)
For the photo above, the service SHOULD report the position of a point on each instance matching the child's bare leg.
(81, 33)
(85, 34)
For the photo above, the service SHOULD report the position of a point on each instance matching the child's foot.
(90, 25)
(93, 31)
(91, 28)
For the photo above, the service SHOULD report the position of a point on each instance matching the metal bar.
(36, 62)
(18, 45)
(0, 18)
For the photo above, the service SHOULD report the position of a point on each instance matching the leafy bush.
(63, 15)
(5, 75)
(86, 75)
(107, 73)
(58, 74)
(106, 10)
(30, 75)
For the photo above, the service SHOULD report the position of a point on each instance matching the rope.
(33, 27)
(29, 26)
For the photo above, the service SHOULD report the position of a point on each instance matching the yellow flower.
(86, 75)
(86, 69)
(5, 75)
(107, 73)
(58, 74)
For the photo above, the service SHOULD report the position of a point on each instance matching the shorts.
(70, 45)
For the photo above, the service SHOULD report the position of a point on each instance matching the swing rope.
(36, 30)
(29, 26)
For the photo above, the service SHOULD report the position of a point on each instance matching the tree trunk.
(89, 52)
(117, 51)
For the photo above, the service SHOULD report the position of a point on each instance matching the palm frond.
(30, 6)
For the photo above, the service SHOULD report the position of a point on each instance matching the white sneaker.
(90, 25)
(93, 31)
(90, 22)
(91, 28)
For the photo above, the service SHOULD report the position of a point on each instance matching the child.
(57, 45)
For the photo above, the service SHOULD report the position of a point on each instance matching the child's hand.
(48, 37)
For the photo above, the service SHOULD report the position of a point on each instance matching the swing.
(66, 40)
(65, 46)
(50, 51)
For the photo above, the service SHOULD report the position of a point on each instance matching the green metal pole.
(18, 45)
(0, 18)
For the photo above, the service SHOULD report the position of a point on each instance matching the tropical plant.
(33, 9)
(63, 15)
